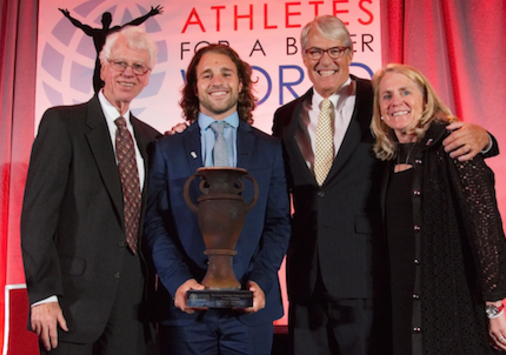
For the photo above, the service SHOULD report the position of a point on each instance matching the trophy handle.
(193, 206)
(252, 203)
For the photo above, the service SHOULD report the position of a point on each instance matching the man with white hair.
(85, 266)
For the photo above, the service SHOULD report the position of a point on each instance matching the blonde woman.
(446, 243)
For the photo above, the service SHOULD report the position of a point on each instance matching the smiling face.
(401, 103)
(326, 74)
(218, 85)
(121, 87)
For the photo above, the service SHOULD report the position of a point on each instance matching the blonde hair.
(435, 109)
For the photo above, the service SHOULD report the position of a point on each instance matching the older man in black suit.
(84, 199)
(335, 270)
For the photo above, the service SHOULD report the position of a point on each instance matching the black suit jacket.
(336, 228)
(72, 224)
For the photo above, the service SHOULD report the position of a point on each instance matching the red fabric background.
(461, 47)
(18, 33)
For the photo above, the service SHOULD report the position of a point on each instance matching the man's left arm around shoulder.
(467, 140)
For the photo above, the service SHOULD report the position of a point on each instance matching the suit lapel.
(350, 141)
(357, 129)
(100, 143)
(292, 146)
(141, 139)
(245, 142)
(192, 147)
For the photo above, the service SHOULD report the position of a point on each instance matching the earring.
(382, 118)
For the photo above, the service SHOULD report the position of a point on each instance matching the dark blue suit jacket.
(173, 235)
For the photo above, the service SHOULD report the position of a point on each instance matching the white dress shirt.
(111, 114)
(344, 104)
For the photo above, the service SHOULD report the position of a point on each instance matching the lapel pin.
(193, 155)
(429, 142)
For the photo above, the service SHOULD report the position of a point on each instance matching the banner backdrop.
(265, 34)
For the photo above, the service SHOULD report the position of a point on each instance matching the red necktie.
(129, 175)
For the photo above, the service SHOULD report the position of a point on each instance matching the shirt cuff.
(47, 300)
(489, 146)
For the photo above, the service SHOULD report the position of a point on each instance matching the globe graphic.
(68, 56)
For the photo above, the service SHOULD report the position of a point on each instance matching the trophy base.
(219, 298)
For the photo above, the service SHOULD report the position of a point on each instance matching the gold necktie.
(324, 147)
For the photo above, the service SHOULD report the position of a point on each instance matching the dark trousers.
(124, 332)
(339, 327)
(216, 332)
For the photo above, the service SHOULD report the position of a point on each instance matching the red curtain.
(461, 47)
(18, 35)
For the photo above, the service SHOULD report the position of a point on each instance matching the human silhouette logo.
(99, 35)
(69, 66)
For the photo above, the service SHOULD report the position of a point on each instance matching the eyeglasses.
(138, 69)
(334, 52)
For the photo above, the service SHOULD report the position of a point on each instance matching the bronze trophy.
(220, 212)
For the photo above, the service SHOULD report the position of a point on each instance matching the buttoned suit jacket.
(72, 225)
(172, 231)
(336, 228)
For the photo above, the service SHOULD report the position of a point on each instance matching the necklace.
(404, 153)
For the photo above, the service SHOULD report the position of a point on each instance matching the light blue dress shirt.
(207, 138)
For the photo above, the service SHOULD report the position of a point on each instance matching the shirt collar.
(317, 98)
(205, 120)
(110, 112)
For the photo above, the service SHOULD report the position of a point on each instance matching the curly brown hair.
(190, 101)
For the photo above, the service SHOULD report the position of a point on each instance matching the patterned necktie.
(324, 148)
(220, 150)
(129, 175)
